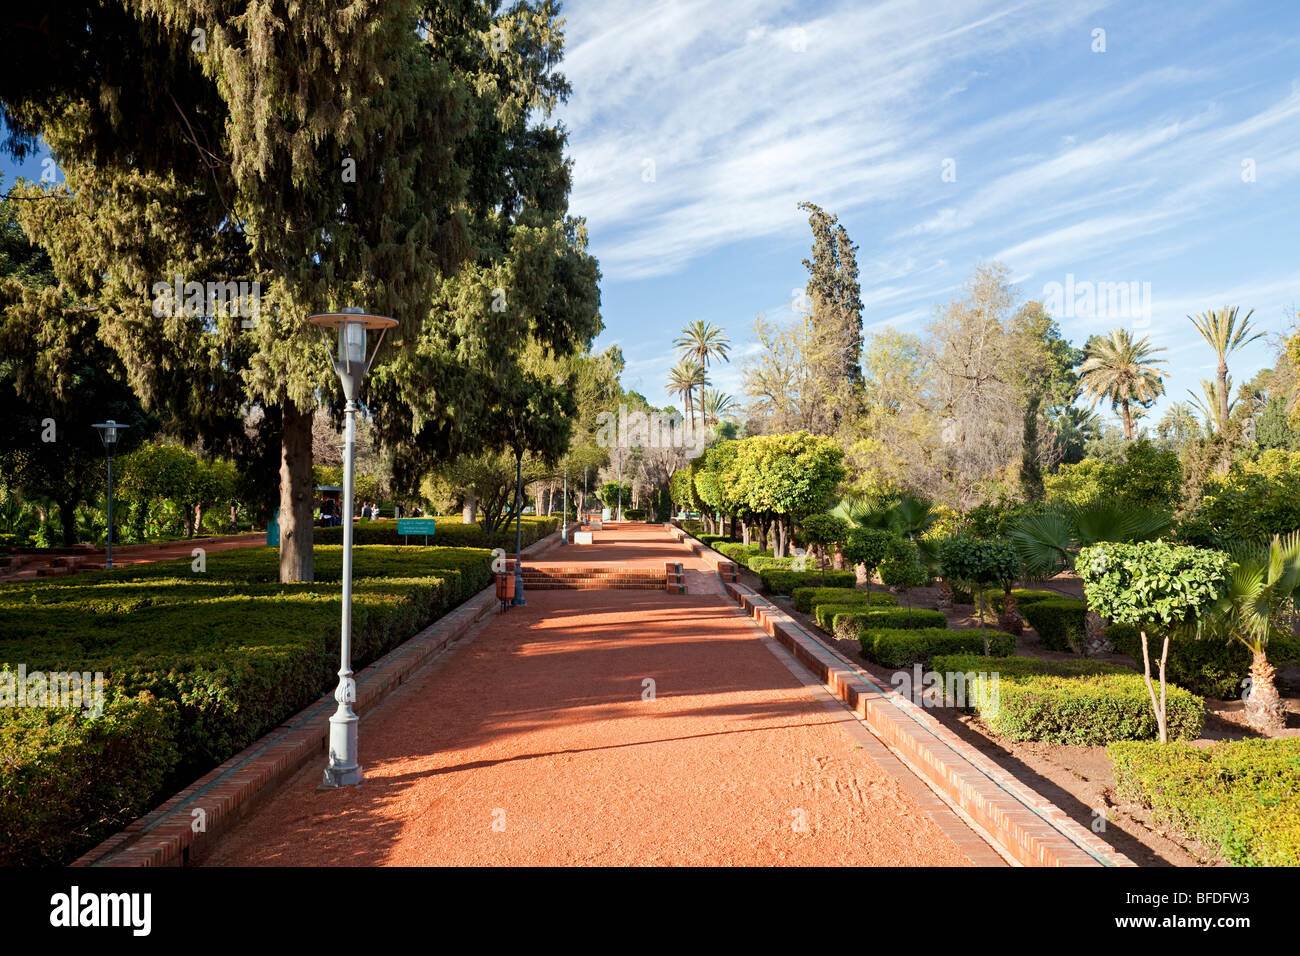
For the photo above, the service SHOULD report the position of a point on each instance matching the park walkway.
(539, 742)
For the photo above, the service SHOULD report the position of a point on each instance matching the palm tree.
(1260, 597)
(1212, 407)
(1178, 426)
(1123, 371)
(1225, 336)
(683, 379)
(716, 406)
(703, 342)
(1048, 543)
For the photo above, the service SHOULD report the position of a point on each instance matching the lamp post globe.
(351, 362)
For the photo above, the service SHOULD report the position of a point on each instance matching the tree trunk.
(1157, 705)
(778, 546)
(945, 601)
(469, 511)
(296, 562)
(1010, 620)
(234, 519)
(744, 533)
(1223, 397)
(1128, 420)
(68, 518)
(1094, 631)
(837, 558)
(1264, 708)
(198, 520)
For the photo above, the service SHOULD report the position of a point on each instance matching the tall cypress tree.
(309, 148)
(835, 296)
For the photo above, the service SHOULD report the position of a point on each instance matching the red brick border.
(166, 836)
(1027, 826)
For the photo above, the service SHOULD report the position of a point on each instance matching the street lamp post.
(518, 599)
(564, 525)
(618, 515)
(108, 434)
(351, 365)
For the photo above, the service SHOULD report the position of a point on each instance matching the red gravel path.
(533, 745)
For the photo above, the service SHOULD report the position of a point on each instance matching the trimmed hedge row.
(1240, 796)
(805, 599)
(197, 666)
(905, 647)
(780, 581)
(1024, 596)
(759, 563)
(834, 617)
(1075, 702)
(1058, 621)
(451, 533)
(740, 553)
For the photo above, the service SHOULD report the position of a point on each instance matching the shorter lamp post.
(108, 434)
(564, 525)
(351, 365)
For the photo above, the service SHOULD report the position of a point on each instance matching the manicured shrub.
(1023, 597)
(908, 646)
(1075, 702)
(740, 553)
(227, 654)
(1240, 796)
(1059, 622)
(762, 562)
(805, 599)
(634, 514)
(69, 780)
(868, 618)
(780, 581)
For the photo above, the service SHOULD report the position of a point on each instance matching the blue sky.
(1117, 166)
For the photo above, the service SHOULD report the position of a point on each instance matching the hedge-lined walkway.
(534, 745)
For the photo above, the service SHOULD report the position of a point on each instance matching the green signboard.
(424, 526)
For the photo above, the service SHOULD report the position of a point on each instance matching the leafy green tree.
(867, 547)
(1158, 587)
(823, 531)
(782, 478)
(902, 569)
(978, 564)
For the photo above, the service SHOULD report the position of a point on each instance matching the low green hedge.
(762, 562)
(805, 599)
(451, 533)
(1240, 796)
(219, 658)
(833, 617)
(1076, 702)
(907, 646)
(1023, 596)
(1058, 621)
(1209, 668)
(634, 514)
(740, 553)
(780, 581)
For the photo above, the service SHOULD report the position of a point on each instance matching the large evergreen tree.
(835, 358)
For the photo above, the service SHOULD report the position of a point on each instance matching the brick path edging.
(167, 836)
(724, 566)
(1028, 827)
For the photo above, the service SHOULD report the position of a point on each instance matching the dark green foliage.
(1023, 596)
(867, 546)
(226, 655)
(805, 599)
(1211, 668)
(1059, 622)
(779, 581)
(1083, 703)
(1241, 796)
(903, 647)
(833, 616)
